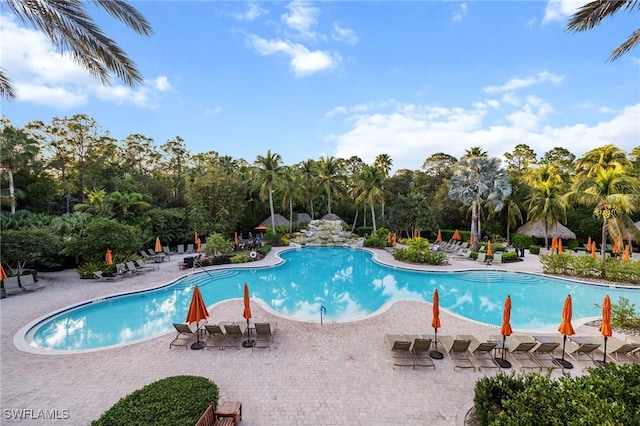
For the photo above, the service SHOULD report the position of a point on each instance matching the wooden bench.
(228, 414)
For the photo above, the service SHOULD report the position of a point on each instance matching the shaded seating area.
(185, 333)
(400, 347)
(264, 334)
(457, 350)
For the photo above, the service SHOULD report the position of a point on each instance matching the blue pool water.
(348, 283)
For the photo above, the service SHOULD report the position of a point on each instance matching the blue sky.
(343, 78)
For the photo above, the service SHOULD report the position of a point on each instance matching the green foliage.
(241, 258)
(216, 244)
(419, 251)
(274, 240)
(377, 239)
(534, 249)
(623, 314)
(102, 233)
(264, 250)
(364, 230)
(521, 241)
(31, 247)
(509, 256)
(173, 401)
(604, 396)
(612, 269)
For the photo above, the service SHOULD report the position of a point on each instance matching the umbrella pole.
(248, 343)
(561, 361)
(604, 357)
(503, 363)
(197, 344)
(436, 354)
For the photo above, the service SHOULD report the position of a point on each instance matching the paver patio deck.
(335, 374)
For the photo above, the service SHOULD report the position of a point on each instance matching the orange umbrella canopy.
(3, 274)
(195, 238)
(456, 235)
(197, 308)
(559, 245)
(605, 327)
(627, 253)
(589, 244)
(247, 303)
(616, 248)
(158, 248)
(439, 237)
(199, 246)
(489, 251)
(395, 239)
(506, 330)
(435, 322)
(235, 238)
(109, 257)
(565, 326)
(389, 237)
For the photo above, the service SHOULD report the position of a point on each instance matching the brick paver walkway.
(336, 374)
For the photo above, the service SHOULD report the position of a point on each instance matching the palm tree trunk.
(474, 226)
(603, 244)
(355, 220)
(273, 218)
(373, 217)
(12, 195)
(290, 215)
(329, 202)
(364, 215)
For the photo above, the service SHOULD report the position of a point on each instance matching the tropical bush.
(31, 248)
(623, 314)
(101, 233)
(173, 401)
(274, 240)
(509, 256)
(606, 395)
(534, 249)
(240, 258)
(521, 241)
(612, 269)
(419, 251)
(378, 239)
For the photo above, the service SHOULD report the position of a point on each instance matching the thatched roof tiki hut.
(537, 230)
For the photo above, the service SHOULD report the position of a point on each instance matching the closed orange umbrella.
(195, 238)
(247, 315)
(593, 249)
(389, 237)
(197, 314)
(566, 329)
(627, 253)
(505, 330)
(559, 245)
(109, 257)
(456, 235)
(3, 274)
(199, 246)
(395, 239)
(235, 238)
(435, 323)
(589, 244)
(605, 327)
(439, 237)
(489, 251)
(616, 248)
(158, 248)
(554, 244)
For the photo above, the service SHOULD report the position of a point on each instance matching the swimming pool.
(347, 282)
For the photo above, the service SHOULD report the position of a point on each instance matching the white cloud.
(302, 18)
(344, 34)
(42, 76)
(304, 62)
(521, 83)
(460, 13)
(560, 10)
(253, 12)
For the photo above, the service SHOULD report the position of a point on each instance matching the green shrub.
(606, 395)
(509, 256)
(240, 258)
(419, 251)
(534, 249)
(173, 401)
(521, 241)
(363, 231)
(274, 240)
(265, 249)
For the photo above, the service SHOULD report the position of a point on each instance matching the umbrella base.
(197, 345)
(436, 355)
(563, 363)
(602, 363)
(503, 363)
(248, 343)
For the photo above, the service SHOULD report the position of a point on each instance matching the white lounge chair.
(11, 285)
(28, 283)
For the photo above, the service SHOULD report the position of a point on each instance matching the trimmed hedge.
(606, 396)
(173, 401)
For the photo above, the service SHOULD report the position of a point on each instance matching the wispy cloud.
(253, 12)
(459, 14)
(560, 10)
(302, 18)
(523, 82)
(344, 34)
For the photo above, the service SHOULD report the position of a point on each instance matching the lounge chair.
(28, 283)
(11, 285)
(186, 333)
(482, 258)
(458, 351)
(400, 347)
(99, 274)
(146, 256)
(145, 266)
(123, 271)
(235, 333)
(618, 350)
(216, 335)
(167, 252)
(482, 352)
(134, 269)
(157, 257)
(544, 352)
(181, 249)
(420, 350)
(189, 248)
(520, 349)
(578, 348)
(264, 334)
(497, 258)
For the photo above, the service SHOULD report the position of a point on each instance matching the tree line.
(70, 174)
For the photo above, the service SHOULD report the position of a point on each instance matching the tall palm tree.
(269, 172)
(369, 189)
(593, 13)
(477, 180)
(331, 177)
(383, 162)
(16, 150)
(615, 193)
(309, 174)
(546, 202)
(601, 158)
(70, 28)
(289, 186)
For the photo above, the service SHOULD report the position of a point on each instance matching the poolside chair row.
(151, 256)
(127, 269)
(409, 350)
(18, 284)
(225, 334)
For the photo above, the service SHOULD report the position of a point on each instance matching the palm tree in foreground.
(70, 28)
